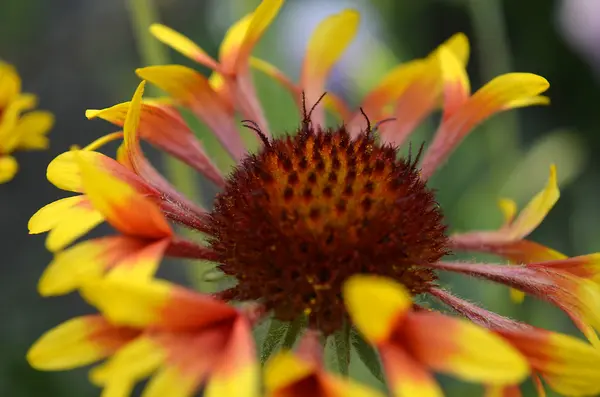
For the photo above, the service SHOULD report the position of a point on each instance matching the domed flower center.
(310, 210)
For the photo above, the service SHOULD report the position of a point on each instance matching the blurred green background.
(81, 54)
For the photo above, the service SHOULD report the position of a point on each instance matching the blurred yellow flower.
(18, 131)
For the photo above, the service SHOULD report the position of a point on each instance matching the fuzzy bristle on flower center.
(311, 209)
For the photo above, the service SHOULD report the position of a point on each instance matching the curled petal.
(78, 342)
(376, 305)
(463, 349)
(182, 44)
(508, 240)
(136, 159)
(166, 129)
(115, 199)
(326, 45)
(192, 90)
(155, 303)
(66, 220)
(536, 210)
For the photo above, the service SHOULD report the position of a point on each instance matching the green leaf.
(273, 338)
(280, 335)
(368, 355)
(293, 331)
(337, 350)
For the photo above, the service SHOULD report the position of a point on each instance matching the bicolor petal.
(78, 342)
(66, 220)
(584, 266)
(376, 305)
(284, 370)
(169, 381)
(395, 82)
(459, 45)
(64, 171)
(579, 298)
(237, 371)
(567, 363)
(114, 198)
(461, 116)
(192, 90)
(406, 376)
(416, 102)
(389, 89)
(235, 53)
(570, 366)
(325, 47)
(136, 360)
(288, 375)
(155, 303)
(456, 87)
(462, 349)
(130, 257)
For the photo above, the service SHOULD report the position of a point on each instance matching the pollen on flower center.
(311, 209)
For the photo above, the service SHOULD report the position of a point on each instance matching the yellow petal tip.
(375, 304)
(92, 113)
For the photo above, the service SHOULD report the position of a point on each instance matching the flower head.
(327, 227)
(18, 131)
(309, 210)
